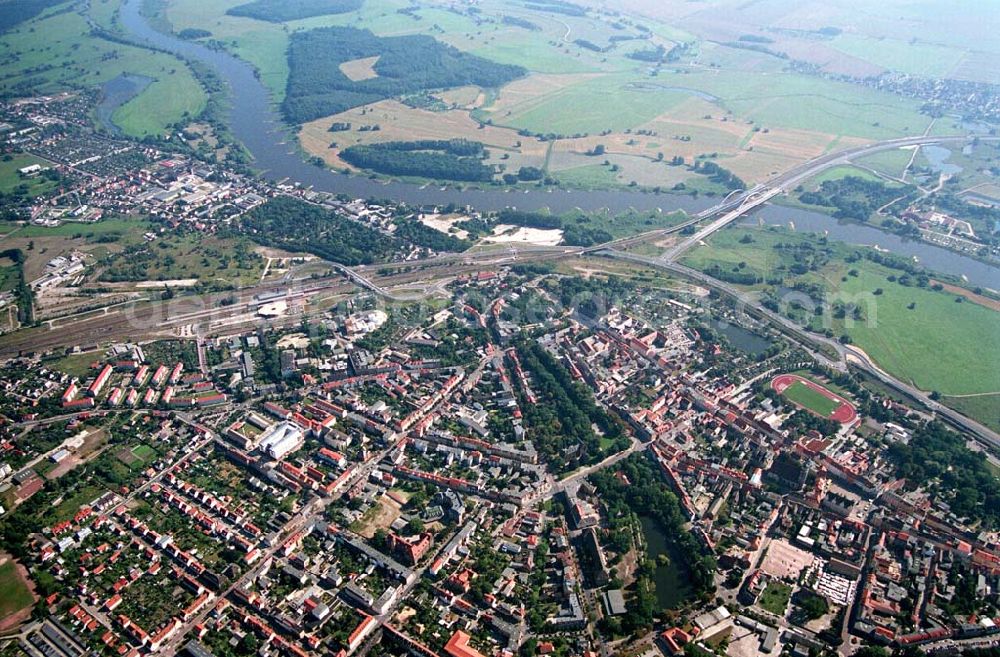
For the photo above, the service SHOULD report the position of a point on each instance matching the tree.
(814, 606)
(871, 651)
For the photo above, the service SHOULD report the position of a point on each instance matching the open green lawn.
(837, 173)
(775, 597)
(70, 56)
(144, 452)
(78, 365)
(630, 223)
(726, 250)
(589, 176)
(891, 163)
(10, 179)
(14, 593)
(265, 50)
(808, 398)
(84, 231)
(937, 344)
(9, 275)
(68, 507)
(207, 258)
(984, 408)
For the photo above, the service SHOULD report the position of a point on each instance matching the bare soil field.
(507, 234)
(388, 511)
(17, 593)
(399, 122)
(463, 97)
(44, 248)
(445, 223)
(60, 301)
(521, 96)
(695, 128)
(360, 69)
(984, 301)
(978, 66)
(829, 59)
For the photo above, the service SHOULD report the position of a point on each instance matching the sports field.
(814, 398)
(15, 596)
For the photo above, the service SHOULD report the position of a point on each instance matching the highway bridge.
(738, 204)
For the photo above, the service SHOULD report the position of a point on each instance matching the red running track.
(845, 413)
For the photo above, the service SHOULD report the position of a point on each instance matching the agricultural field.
(400, 122)
(843, 37)
(72, 57)
(922, 335)
(924, 59)
(744, 106)
(983, 407)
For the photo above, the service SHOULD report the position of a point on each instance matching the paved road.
(130, 323)
(788, 180)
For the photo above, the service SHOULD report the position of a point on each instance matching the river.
(256, 123)
(930, 256)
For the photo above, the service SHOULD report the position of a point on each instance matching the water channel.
(673, 582)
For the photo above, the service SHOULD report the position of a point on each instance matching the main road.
(125, 325)
(820, 347)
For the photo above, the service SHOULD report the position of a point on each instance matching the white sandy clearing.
(507, 234)
(444, 224)
(176, 282)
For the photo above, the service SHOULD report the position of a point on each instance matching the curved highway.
(847, 354)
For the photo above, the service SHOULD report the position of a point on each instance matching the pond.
(741, 338)
(116, 92)
(938, 157)
(673, 582)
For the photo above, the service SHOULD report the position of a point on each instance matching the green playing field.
(810, 398)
